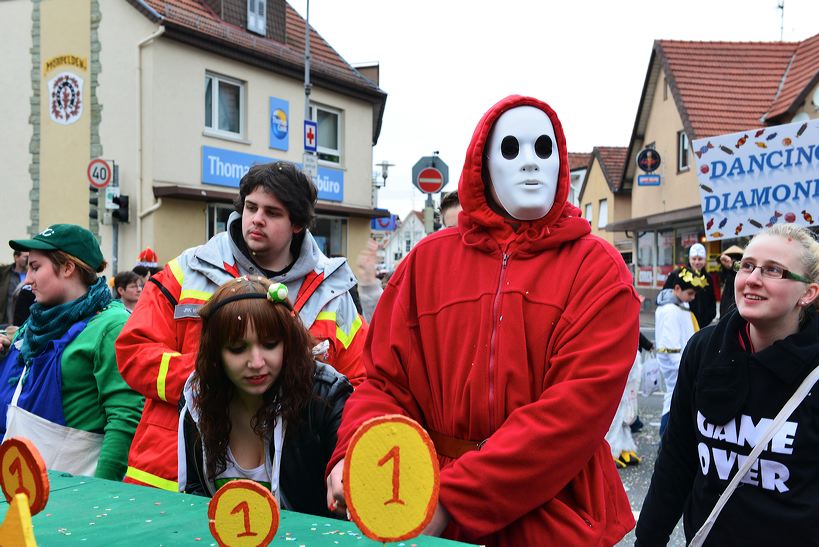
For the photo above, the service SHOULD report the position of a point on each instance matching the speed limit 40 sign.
(99, 173)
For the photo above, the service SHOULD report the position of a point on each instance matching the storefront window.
(665, 248)
(665, 257)
(645, 259)
(686, 237)
(331, 235)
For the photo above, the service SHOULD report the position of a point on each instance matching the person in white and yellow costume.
(674, 325)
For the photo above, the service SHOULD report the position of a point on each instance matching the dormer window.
(257, 16)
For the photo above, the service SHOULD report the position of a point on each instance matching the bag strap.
(795, 400)
(311, 282)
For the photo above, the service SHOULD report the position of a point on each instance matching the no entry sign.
(430, 174)
(430, 180)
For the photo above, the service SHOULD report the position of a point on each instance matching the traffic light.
(121, 214)
(94, 200)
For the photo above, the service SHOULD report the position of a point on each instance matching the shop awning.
(212, 195)
(658, 221)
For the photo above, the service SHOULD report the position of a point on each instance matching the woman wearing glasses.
(734, 378)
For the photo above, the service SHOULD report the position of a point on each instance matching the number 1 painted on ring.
(395, 455)
(16, 469)
(243, 507)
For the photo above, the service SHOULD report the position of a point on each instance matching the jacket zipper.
(493, 343)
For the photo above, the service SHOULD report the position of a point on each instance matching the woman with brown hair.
(257, 405)
(59, 382)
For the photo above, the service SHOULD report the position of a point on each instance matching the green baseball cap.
(69, 238)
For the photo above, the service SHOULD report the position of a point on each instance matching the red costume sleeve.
(385, 390)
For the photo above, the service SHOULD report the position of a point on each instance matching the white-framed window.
(588, 214)
(603, 213)
(328, 121)
(682, 151)
(330, 234)
(217, 218)
(224, 105)
(257, 16)
(576, 180)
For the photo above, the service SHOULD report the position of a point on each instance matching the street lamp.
(385, 167)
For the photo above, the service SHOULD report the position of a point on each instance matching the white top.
(266, 474)
(674, 326)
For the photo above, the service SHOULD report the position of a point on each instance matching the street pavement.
(636, 479)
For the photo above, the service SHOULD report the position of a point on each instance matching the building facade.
(403, 239)
(602, 198)
(578, 165)
(694, 90)
(183, 96)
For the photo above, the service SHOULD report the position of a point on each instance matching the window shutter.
(256, 20)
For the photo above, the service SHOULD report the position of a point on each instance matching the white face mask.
(523, 162)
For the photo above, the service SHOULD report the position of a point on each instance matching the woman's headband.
(276, 293)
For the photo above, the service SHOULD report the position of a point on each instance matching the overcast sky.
(445, 62)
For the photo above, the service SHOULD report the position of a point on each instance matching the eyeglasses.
(771, 271)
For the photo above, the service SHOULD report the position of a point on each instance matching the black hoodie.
(721, 383)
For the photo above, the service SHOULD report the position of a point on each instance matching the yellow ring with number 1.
(23, 471)
(243, 512)
(391, 478)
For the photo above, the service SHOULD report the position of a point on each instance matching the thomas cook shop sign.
(753, 179)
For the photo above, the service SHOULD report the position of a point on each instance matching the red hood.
(479, 223)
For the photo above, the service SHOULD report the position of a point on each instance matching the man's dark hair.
(17, 253)
(284, 181)
(449, 201)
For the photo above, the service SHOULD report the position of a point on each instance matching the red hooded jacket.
(524, 338)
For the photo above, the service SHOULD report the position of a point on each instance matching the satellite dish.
(815, 99)
(801, 117)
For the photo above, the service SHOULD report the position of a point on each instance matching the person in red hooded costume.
(516, 359)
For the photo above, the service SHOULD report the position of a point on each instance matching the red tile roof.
(801, 76)
(727, 87)
(612, 161)
(194, 16)
(724, 87)
(579, 160)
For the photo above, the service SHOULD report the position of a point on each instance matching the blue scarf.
(50, 323)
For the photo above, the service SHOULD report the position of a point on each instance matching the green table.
(100, 512)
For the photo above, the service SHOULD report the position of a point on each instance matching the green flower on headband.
(277, 292)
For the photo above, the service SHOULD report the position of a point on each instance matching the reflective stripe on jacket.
(157, 348)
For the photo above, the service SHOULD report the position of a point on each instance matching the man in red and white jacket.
(515, 365)
(267, 236)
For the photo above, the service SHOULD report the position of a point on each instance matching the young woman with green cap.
(59, 382)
